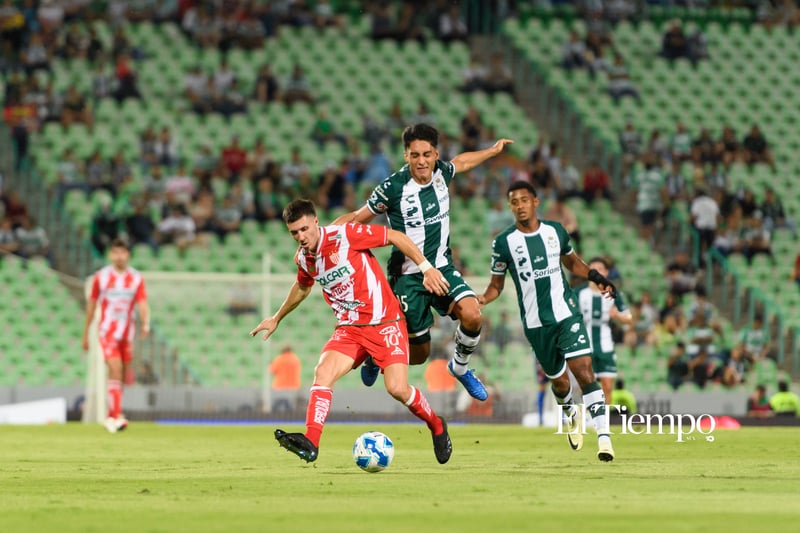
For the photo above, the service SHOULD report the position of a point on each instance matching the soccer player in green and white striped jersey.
(535, 252)
(598, 312)
(416, 200)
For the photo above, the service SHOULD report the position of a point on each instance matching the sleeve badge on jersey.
(500, 265)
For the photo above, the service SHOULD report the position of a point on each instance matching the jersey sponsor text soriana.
(116, 293)
(420, 211)
(534, 261)
(352, 281)
(596, 311)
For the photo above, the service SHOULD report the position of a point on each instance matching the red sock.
(420, 407)
(114, 397)
(319, 403)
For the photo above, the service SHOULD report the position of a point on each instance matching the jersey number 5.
(404, 303)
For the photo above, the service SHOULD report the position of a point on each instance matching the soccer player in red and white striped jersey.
(370, 321)
(117, 289)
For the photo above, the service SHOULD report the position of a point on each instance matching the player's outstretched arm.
(297, 294)
(432, 279)
(468, 160)
(575, 264)
(493, 291)
(362, 216)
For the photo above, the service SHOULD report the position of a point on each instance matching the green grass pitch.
(232, 479)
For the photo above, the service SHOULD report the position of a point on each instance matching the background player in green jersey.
(416, 201)
(598, 312)
(533, 251)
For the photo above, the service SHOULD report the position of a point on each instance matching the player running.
(598, 311)
(533, 251)
(338, 257)
(416, 200)
(117, 288)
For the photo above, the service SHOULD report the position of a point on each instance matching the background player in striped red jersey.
(369, 318)
(117, 288)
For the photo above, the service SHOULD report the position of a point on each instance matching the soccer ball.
(373, 451)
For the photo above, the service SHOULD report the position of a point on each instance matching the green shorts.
(604, 364)
(416, 301)
(553, 345)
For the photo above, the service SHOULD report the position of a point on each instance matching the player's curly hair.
(420, 132)
(297, 209)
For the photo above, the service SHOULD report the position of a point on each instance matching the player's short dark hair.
(601, 260)
(620, 383)
(521, 184)
(297, 209)
(120, 243)
(420, 132)
(783, 386)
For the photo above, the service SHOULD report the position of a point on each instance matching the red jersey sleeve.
(364, 237)
(95, 294)
(141, 293)
(303, 277)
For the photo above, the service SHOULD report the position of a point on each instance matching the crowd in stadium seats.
(20, 233)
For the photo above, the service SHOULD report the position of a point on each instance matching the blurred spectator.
(140, 226)
(774, 215)
(716, 179)
(242, 193)
(630, 141)
(166, 148)
(473, 76)
(231, 101)
(641, 332)
(451, 25)
(292, 170)
(437, 377)
(500, 333)
(75, 108)
(471, 130)
(8, 237)
(286, 369)
(203, 212)
(596, 183)
(377, 167)
(224, 76)
(155, 188)
(559, 211)
(542, 179)
(705, 149)
(106, 226)
(423, 115)
(147, 376)
(785, 402)
(676, 185)
(729, 236)
(705, 215)
(382, 21)
(678, 366)
(181, 186)
(127, 85)
(681, 275)
(259, 160)
(297, 88)
(334, 191)
(98, 173)
(754, 341)
(267, 202)
(324, 130)
(575, 54)
(195, 89)
(657, 149)
(32, 239)
(568, 178)
(228, 218)
(266, 86)
(756, 149)
(730, 146)
(120, 169)
(176, 228)
(234, 159)
(623, 398)
(756, 239)
(680, 144)
(758, 404)
(102, 82)
(619, 81)
(14, 209)
(35, 56)
(674, 43)
(498, 76)
(147, 148)
(205, 163)
(651, 196)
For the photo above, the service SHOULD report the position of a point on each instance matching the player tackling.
(533, 251)
(117, 289)
(370, 321)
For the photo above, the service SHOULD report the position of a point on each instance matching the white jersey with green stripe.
(534, 262)
(420, 211)
(596, 311)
